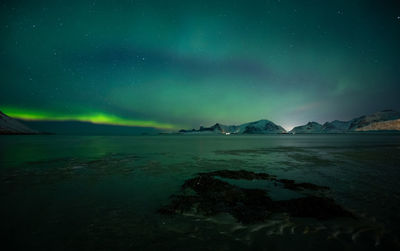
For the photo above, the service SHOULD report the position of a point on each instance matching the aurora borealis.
(181, 64)
(97, 118)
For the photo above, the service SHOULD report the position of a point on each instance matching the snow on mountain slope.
(310, 127)
(261, 127)
(336, 126)
(363, 123)
(256, 127)
(11, 126)
(388, 125)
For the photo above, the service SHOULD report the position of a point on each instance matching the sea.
(66, 192)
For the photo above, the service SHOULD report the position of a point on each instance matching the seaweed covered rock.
(247, 175)
(240, 174)
(312, 206)
(213, 196)
(292, 185)
(216, 196)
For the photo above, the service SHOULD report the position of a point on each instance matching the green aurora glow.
(173, 64)
(96, 118)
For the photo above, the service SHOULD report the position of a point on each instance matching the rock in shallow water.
(213, 196)
(292, 185)
(240, 175)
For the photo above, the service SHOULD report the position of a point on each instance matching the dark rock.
(179, 204)
(248, 206)
(217, 196)
(241, 174)
(254, 207)
(312, 206)
(203, 129)
(183, 130)
(216, 127)
(292, 185)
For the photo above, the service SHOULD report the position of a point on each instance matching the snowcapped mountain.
(363, 121)
(336, 126)
(310, 127)
(389, 125)
(11, 126)
(261, 127)
(379, 121)
(257, 127)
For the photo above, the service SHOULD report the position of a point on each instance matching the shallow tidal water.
(103, 192)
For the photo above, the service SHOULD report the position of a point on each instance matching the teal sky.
(182, 64)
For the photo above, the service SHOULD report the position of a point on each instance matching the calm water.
(103, 192)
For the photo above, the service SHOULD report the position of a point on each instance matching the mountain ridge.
(365, 123)
(262, 126)
(10, 125)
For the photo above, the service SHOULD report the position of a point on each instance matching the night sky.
(182, 64)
